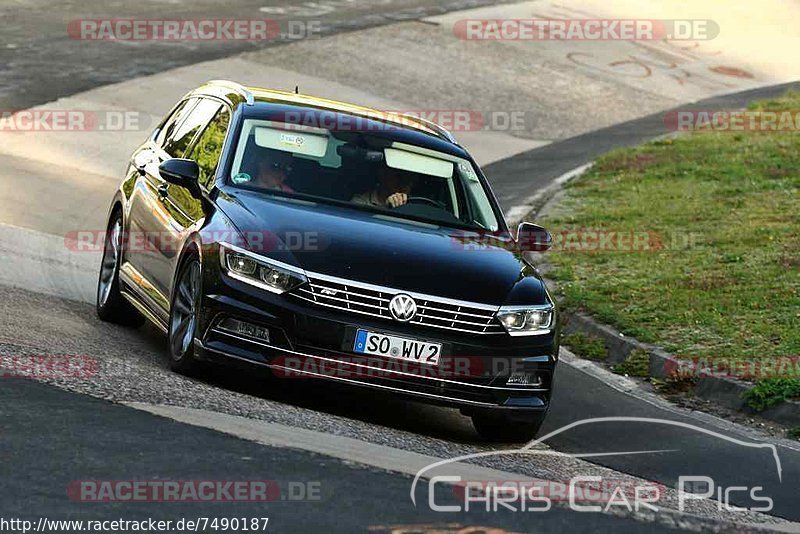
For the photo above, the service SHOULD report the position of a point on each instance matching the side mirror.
(533, 238)
(182, 172)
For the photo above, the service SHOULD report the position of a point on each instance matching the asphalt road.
(692, 452)
(42, 62)
(101, 440)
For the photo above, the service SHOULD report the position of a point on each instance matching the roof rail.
(439, 129)
(238, 88)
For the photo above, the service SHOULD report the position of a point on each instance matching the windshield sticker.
(467, 171)
(291, 139)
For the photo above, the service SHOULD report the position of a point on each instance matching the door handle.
(163, 190)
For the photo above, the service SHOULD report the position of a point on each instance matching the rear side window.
(174, 120)
(182, 136)
(208, 149)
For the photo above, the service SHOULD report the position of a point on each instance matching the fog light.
(242, 328)
(524, 379)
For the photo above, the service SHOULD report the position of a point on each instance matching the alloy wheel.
(108, 268)
(183, 321)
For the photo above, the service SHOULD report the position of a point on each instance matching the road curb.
(535, 203)
(725, 391)
(722, 390)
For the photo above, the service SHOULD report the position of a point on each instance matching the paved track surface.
(51, 185)
(41, 62)
(97, 440)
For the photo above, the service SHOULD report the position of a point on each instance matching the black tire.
(183, 316)
(501, 429)
(111, 306)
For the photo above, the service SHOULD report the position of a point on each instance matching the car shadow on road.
(366, 405)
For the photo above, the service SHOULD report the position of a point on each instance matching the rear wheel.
(111, 306)
(500, 428)
(183, 317)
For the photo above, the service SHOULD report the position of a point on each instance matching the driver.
(273, 171)
(391, 190)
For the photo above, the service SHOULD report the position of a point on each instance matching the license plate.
(397, 347)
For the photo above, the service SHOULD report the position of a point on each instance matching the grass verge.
(636, 364)
(704, 257)
(771, 392)
(585, 346)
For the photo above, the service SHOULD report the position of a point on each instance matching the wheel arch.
(115, 205)
(193, 246)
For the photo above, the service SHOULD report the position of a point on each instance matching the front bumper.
(307, 341)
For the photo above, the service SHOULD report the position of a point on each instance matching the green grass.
(585, 346)
(636, 364)
(771, 392)
(794, 432)
(726, 208)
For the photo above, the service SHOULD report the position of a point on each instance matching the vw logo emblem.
(403, 308)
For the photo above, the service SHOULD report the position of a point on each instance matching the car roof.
(236, 94)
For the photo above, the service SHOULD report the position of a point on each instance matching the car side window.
(208, 148)
(181, 138)
(174, 120)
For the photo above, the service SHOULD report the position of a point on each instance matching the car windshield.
(361, 171)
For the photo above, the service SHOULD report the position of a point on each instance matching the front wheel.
(183, 317)
(499, 428)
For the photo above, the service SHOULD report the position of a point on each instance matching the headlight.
(268, 274)
(527, 320)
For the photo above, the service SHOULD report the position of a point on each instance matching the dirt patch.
(713, 282)
(626, 162)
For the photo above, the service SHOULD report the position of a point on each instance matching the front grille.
(365, 299)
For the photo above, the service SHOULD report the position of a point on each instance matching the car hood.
(367, 247)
